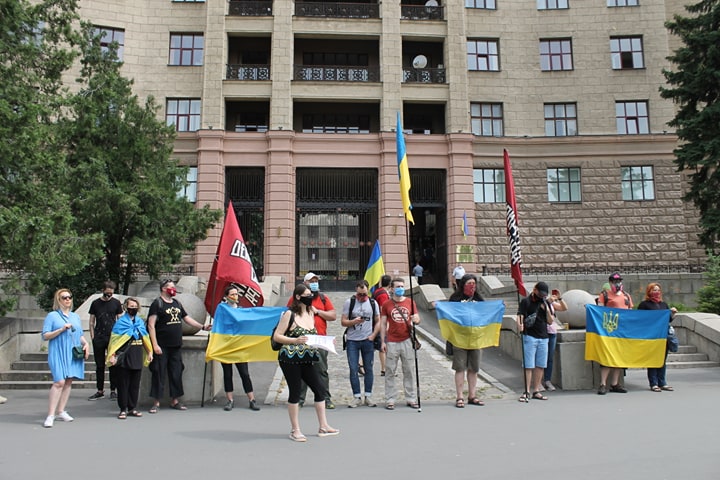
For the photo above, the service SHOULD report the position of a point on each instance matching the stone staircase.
(688, 357)
(31, 372)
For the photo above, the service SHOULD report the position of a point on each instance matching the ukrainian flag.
(623, 338)
(464, 225)
(471, 325)
(243, 334)
(376, 268)
(403, 171)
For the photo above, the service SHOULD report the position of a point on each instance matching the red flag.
(513, 231)
(232, 265)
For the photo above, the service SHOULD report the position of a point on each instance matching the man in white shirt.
(457, 274)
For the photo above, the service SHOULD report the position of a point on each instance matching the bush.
(709, 295)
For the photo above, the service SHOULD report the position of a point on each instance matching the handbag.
(120, 355)
(449, 348)
(276, 345)
(77, 352)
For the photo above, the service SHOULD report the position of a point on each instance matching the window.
(190, 190)
(564, 185)
(109, 35)
(638, 183)
(632, 117)
(551, 4)
(483, 55)
(184, 113)
(622, 3)
(626, 53)
(186, 49)
(485, 4)
(560, 119)
(486, 119)
(489, 185)
(556, 54)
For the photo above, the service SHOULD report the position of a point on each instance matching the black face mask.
(132, 311)
(107, 295)
(307, 301)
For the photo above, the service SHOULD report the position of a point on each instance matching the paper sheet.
(325, 342)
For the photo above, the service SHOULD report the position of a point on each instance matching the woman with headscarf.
(654, 301)
(129, 351)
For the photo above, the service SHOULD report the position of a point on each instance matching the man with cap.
(538, 306)
(324, 312)
(616, 297)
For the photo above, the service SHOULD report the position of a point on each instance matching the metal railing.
(247, 72)
(242, 8)
(421, 12)
(424, 75)
(330, 73)
(337, 10)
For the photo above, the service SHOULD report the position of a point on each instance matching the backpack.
(275, 345)
(605, 298)
(373, 304)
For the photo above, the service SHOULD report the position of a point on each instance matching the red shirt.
(320, 323)
(398, 319)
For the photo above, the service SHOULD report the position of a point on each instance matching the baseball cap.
(310, 275)
(614, 277)
(542, 287)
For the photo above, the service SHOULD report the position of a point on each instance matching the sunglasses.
(66, 297)
(165, 282)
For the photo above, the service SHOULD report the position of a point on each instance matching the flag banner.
(464, 225)
(243, 334)
(375, 269)
(622, 338)
(471, 325)
(232, 265)
(403, 171)
(513, 230)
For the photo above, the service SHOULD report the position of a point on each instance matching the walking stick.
(202, 399)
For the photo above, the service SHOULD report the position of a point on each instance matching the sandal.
(655, 388)
(475, 401)
(122, 415)
(390, 406)
(539, 396)
(667, 388)
(178, 406)
(460, 403)
(382, 373)
(135, 413)
(154, 409)
(413, 405)
(328, 432)
(524, 397)
(361, 370)
(297, 438)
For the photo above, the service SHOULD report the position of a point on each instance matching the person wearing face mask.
(324, 311)
(104, 311)
(397, 317)
(165, 328)
(129, 351)
(616, 297)
(361, 316)
(232, 295)
(654, 301)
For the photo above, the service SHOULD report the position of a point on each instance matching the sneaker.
(618, 389)
(602, 390)
(49, 421)
(329, 405)
(549, 386)
(96, 395)
(369, 402)
(65, 417)
(113, 396)
(2, 399)
(357, 402)
(253, 406)
(229, 406)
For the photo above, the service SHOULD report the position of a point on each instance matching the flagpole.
(202, 398)
(412, 312)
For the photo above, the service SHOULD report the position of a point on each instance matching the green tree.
(708, 295)
(123, 180)
(38, 239)
(695, 88)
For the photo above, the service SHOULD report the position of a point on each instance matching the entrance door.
(428, 237)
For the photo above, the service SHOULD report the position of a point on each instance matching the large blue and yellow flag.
(471, 325)
(243, 334)
(623, 338)
(403, 171)
(376, 268)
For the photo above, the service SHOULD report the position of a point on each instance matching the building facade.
(288, 109)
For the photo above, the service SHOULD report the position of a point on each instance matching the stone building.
(288, 109)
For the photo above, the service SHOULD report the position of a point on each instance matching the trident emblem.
(610, 321)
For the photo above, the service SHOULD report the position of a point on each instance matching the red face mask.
(361, 296)
(469, 290)
(172, 291)
(656, 296)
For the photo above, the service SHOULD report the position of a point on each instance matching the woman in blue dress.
(63, 331)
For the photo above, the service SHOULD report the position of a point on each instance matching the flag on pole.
(622, 338)
(513, 231)
(471, 325)
(464, 225)
(403, 171)
(375, 269)
(232, 265)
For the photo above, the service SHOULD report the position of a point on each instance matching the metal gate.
(245, 187)
(336, 224)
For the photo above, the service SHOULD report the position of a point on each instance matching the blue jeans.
(552, 341)
(354, 349)
(656, 376)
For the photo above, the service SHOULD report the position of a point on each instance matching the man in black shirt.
(103, 313)
(165, 328)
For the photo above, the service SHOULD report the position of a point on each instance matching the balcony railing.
(337, 10)
(246, 8)
(327, 73)
(424, 75)
(421, 12)
(248, 72)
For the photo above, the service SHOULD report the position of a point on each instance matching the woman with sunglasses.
(62, 330)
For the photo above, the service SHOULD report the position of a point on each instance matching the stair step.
(36, 376)
(38, 385)
(42, 357)
(687, 357)
(687, 349)
(696, 364)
